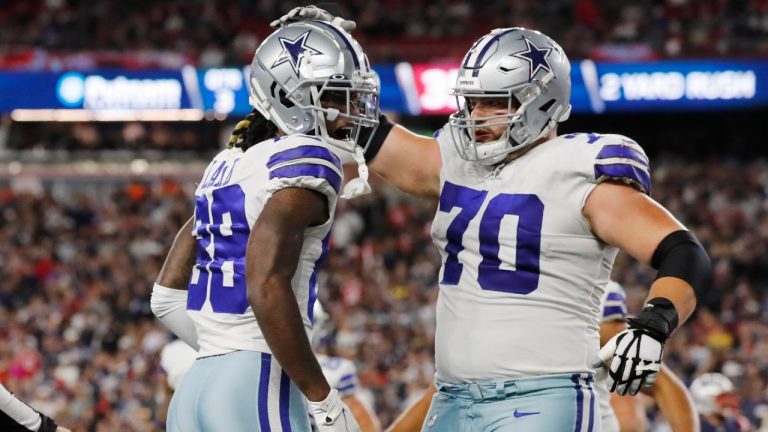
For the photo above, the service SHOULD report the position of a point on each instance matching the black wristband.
(385, 126)
(47, 424)
(658, 318)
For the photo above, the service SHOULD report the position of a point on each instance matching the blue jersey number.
(530, 211)
(222, 232)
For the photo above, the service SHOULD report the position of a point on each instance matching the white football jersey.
(341, 374)
(522, 272)
(234, 189)
(614, 307)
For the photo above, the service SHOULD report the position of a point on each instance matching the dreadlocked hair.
(251, 130)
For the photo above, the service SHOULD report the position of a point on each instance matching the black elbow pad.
(681, 255)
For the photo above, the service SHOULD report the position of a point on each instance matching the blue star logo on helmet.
(293, 50)
(536, 58)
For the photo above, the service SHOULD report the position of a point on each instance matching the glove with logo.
(312, 12)
(333, 415)
(635, 353)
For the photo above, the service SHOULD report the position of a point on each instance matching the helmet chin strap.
(358, 186)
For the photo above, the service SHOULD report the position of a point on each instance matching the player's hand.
(635, 360)
(62, 429)
(312, 12)
(333, 415)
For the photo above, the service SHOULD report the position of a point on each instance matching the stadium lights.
(81, 115)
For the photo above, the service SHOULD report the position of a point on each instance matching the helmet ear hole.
(547, 105)
(279, 94)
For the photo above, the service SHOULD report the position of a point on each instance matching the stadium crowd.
(80, 343)
(43, 33)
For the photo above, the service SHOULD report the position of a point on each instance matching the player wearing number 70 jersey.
(263, 211)
(528, 225)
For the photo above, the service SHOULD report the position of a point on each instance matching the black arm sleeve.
(681, 255)
(385, 126)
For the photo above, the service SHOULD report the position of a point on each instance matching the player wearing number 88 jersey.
(263, 211)
(231, 196)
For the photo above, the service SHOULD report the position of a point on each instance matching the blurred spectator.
(48, 33)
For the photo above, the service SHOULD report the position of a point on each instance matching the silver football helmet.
(708, 391)
(527, 68)
(308, 72)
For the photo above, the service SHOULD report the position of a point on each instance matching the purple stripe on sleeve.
(625, 171)
(622, 151)
(308, 170)
(346, 377)
(614, 310)
(347, 387)
(306, 151)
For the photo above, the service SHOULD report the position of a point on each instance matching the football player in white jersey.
(528, 225)
(264, 209)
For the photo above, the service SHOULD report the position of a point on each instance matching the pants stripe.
(266, 364)
(591, 403)
(285, 397)
(579, 402)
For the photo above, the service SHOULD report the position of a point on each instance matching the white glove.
(333, 415)
(312, 12)
(636, 360)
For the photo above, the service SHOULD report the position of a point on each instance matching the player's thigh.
(182, 411)
(447, 413)
(251, 392)
(240, 391)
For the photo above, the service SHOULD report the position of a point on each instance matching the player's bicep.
(626, 218)
(410, 162)
(275, 243)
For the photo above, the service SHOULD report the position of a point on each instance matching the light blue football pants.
(556, 403)
(239, 391)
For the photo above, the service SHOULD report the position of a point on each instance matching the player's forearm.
(413, 417)
(675, 402)
(16, 415)
(409, 162)
(684, 269)
(365, 418)
(277, 313)
(178, 265)
(678, 292)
